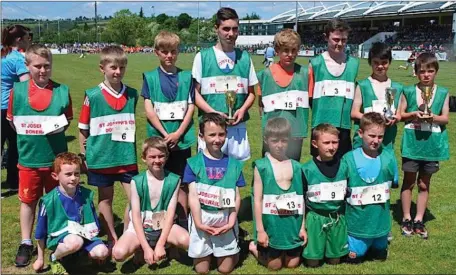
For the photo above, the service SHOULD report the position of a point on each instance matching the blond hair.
(372, 118)
(166, 40)
(287, 38)
(277, 127)
(113, 54)
(40, 50)
(157, 143)
(324, 128)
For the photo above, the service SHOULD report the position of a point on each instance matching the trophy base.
(426, 116)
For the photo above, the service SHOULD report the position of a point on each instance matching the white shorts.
(203, 244)
(236, 143)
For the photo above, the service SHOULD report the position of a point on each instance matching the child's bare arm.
(258, 200)
(402, 110)
(357, 103)
(200, 102)
(83, 135)
(153, 118)
(136, 216)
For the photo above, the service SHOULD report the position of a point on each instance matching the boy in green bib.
(325, 183)
(107, 135)
(370, 95)
(425, 139)
(169, 98)
(221, 69)
(67, 220)
(332, 76)
(153, 205)
(279, 230)
(39, 110)
(282, 91)
(371, 172)
(214, 179)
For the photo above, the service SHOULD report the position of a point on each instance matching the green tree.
(141, 13)
(86, 27)
(125, 26)
(161, 18)
(183, 21)
(252, 16)
(170, 24)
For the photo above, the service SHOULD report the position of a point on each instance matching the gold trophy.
(230, 97)
(390, 94)
(426, 95)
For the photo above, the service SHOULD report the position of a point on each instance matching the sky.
(58, 10)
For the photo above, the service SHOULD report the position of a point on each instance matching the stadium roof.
(362, 9)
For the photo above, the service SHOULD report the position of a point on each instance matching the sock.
(27, 241)
(53, 258)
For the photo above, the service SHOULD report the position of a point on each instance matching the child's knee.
(252, 247)
(119, 253)
(293, 262)
(99, 252)
(184, 240)
(225, 269)
(202, 270)
(275, 265)
(73, 243)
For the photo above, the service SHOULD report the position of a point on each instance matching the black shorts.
(422, 166)
(177, 161)
(272, 253)
(345, 144)
(152, 237)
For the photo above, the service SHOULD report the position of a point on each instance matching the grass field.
(413, 255)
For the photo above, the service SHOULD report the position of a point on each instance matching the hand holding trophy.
(426, 95)
(390, 94)
(230, 97)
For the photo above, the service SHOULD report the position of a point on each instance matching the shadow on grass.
(245, 212)
(397, 212)
(80, 263)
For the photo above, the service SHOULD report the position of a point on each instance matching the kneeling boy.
(153, 206)
(371, 172)
(326, 182)
(279, 230)
(214, 199)
(67, 218)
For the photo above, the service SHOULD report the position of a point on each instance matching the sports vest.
(215, 195)
(333, 96)
(425, 141)
(35, 148)
(215, 82)
(153, 217)
(171, 112)
(368, 96)
(325, 195)
(282, 226)
(291, 102)
(368, 206)
(58, 222)
(102, 151)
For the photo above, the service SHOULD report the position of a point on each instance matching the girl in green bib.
(153, 206)
(425, 140)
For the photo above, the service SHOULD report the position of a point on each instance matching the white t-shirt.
(226, 63)
(380, 87)
(334, 68)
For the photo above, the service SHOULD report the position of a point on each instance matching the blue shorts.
(88, 245)
(107, 180)
(359, 246)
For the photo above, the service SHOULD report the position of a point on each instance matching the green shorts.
(326, 236)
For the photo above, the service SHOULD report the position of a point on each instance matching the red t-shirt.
(117, 102)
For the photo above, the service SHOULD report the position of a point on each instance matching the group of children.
(193, 202)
